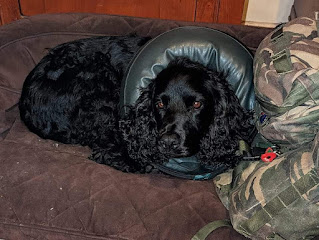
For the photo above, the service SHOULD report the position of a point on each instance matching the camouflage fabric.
(286, 79)
(280, 199)
(276, 200)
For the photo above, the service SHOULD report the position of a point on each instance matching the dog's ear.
(229, 122)
(139, 128)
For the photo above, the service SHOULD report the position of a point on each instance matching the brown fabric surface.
(302, 8)
(50, 190)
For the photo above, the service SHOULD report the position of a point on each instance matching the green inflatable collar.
(212, 48)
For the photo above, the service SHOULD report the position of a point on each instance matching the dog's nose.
(169, 142)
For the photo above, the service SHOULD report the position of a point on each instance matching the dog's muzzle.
(169, 143)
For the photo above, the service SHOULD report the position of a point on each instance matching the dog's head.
(182, 105)
(187, 110)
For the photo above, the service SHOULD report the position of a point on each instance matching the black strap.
(278, 33)
(201, 174)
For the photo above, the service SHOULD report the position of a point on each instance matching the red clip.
(269, 155)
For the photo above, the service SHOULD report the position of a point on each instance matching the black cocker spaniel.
(72, 96)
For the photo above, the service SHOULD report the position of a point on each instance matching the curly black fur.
(72, 96)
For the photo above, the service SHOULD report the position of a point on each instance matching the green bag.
(276, 200)
(286, 80)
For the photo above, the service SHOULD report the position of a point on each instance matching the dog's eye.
(160, 105)
(197, 104)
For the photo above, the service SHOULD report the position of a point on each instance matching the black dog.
(72, 96)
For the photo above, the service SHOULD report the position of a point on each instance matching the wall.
(267, 12)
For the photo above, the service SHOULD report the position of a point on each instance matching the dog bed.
(50, 190)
